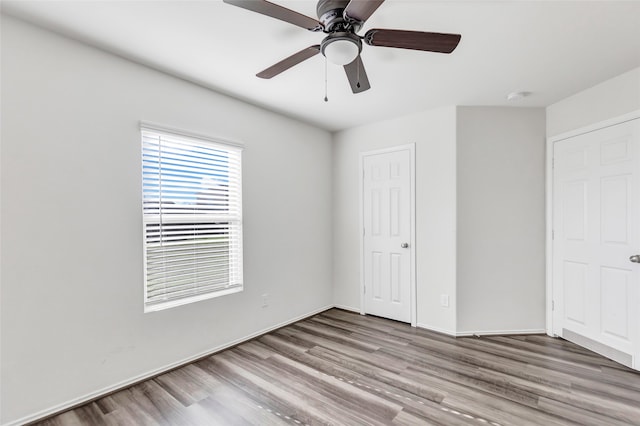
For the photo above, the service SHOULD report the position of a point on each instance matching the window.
(192, 217)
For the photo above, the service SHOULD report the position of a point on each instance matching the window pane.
(192, 217)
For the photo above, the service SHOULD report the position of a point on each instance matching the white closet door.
(387, 234)
(595, 222)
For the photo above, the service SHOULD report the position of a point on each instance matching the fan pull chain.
(358, 74)
(326, 98)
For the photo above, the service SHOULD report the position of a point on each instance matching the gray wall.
(71, 267)
(479, 213)
(433, 132)
(500, 222)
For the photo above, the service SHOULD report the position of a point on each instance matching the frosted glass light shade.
(341, 52)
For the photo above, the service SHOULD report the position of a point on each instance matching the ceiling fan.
(341, 20)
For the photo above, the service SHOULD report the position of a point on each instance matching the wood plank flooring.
(341, 368)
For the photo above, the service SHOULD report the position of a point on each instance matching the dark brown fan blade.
(416, 40)
(289, 62)
(361, 10)
(357, 76)
(278, 12)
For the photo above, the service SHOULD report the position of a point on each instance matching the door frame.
(411, 147)
(551, 328)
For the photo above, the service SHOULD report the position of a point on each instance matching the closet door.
(387, 233)
(596, 274)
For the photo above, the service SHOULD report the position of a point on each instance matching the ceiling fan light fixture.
(341, 51)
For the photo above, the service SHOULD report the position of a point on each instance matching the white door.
(387, 234)
(596, 190)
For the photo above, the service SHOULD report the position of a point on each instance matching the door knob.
(635, 258)
(406, 245)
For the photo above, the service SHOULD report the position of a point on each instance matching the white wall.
(480, 215)
(434, 135)
(500, 227)
(71, 267)
(611, 98)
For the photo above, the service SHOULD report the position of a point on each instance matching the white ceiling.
(549, 48)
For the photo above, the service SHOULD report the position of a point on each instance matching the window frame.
(234, 269)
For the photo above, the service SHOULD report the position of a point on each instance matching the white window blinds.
(192, 216)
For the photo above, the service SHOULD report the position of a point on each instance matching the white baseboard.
(437, 329)
(499, 332)
(481, 332)
(348, 308)
(133, 380)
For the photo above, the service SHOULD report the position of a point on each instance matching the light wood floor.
(341, 368)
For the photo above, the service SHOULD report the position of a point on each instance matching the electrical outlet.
(444, 300)
(265, 300)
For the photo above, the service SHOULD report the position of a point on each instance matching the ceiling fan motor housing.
(341, 31)
(331, 15)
